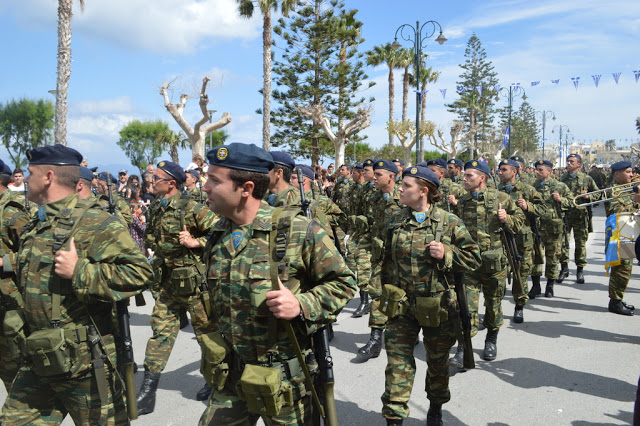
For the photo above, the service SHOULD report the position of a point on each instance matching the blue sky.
(123, 50)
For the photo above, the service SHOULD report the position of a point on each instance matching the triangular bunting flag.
(496, 87)
(515, 84)
(555, 81)
(616, 76)
(479, 89)
(637, 74)
(444, 93)
(534, 83)
(576, 81)
(596, 79)
(460, 89)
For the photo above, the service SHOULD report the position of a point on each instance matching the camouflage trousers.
(39, 400)
(165, 324)
(9, 364)
(359, 260)
(376, 318)
(225, 408)
(520, 291)
(493, 289)
(552, 246)
(580, 235)
(400, 339)
(619, 279)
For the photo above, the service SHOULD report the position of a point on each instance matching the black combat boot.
(434, 415)
(373, 347)
(203, 394)
(146, 397)
(394, 422)
(629, 307)
(518, 315)
(548, 291)
(364, 306)
(617, 307)
(535, 288)
(490, 345)
(564, 272)
(579, 276)
(458, 359)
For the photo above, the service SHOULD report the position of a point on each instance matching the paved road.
(571, 363)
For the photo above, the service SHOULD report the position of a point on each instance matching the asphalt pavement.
(570, 363)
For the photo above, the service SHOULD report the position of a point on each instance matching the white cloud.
(105, 125)
(120, 105)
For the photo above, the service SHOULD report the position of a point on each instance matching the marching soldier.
(74, 261)
(281, 191)
(533, 206)
(192, 186)
(486, 212)
(454, 168)
(621, 274)
(342, 189)
(314, 284)
(523, 175)
(579, 219)
(103, 196)
(447, 187)
(176, 232)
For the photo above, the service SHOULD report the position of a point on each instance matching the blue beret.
(55, 155)
(575, 156)
(174, 170)
(241, 156)
(437, 162)
(103, 177)
(86, 174)
(510, 162)
(518, 159)
(306, 171)
(478, 165)
(283, 158)
(4, 169)
(456, 162)
(368, 162)
(385, 165)
(422, 164)
(620, 165)
(544, 163)
(399, 160)
(194, 173)
(423, 173)
(358, 166)
(94, 170)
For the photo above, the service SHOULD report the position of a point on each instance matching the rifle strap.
(437, 238)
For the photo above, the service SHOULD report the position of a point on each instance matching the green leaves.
(144, 141)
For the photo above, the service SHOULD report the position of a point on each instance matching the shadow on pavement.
(529, 373)
(557, 329)
(563, 303)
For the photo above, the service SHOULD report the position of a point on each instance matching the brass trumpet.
(611, 193)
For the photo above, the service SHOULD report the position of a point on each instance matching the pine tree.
(476, 89)
(524, 129)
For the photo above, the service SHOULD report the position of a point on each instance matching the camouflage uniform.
(197, 195)
(361, 236)
(551, 225)
(448, 187)
(408, 265)
(161, 236)
(479, 215)
(578, 217)
(527, 178)
(620, 274)
(341, 193)
(238, 279)
(288, 197)
(122, 208)
(525, 239)
(110, 268)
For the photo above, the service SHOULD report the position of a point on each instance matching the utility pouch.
(555, 226)
(361, 224)
(492, 261)
(214, 353)
(524, 240)
(12, 344)
(264, 391)
(185, 280)
(393, 301)
(427, 311)
(49, 352)
(377, 247)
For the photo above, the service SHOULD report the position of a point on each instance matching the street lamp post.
(543, 116)
(513, 91)
(560, 128)
(416, 36)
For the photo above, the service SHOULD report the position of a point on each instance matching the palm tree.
(246, 9)
(405, 60)
(386, 54)
(64, 67)
(638, 124)
(427, 75)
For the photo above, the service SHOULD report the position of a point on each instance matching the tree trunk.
(174, 154)
(64, 69)
(266, 86)
(405, 94)
(338, 146)
(391, 101)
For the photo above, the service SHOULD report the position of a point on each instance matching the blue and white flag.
(515, 84)
(460, 89)
(421, 93)
(616, 76)
(479, 89)
(496, 87)
(555, 81)
(596, 79)
(611, 243)
(576, 81)
(507, 132)
(444, 93)
(534, 83)
(637, 74)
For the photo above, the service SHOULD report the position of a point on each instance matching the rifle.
(322, 350)
(565, 222)
(26, 197)
(589, 219)
(514, 258)
(465, 321)
(122, 311)
(537, 243)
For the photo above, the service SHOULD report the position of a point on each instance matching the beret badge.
(222, 153)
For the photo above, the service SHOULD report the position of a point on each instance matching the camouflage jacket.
(122, 208)
(197, 195)
(13, 218)
(288, 197)
(110, 268)
(527, 178)
(623, 204)
(554, 209)
(578, 182)
(536, 207)
(407, 262)
(341, 191)
(382, 207)
(448, 187)
(325, 211)
(239, 278)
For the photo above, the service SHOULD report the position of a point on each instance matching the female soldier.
(425, 246)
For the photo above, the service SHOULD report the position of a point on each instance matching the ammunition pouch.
(429, 312)
(49, 352)
(492, 261)
(554, 226)
(264, 391)
(184, 280)
(214, 353)
(361, 224)
(377, 248)
(13, 341)
(393, 301)
(524, 239)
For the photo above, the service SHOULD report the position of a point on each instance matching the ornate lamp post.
(562, 128)
(416, 36)
(509, 94)
(543, 116)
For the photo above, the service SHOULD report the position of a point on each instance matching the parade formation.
(263, 256)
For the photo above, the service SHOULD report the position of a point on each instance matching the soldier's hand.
(636, 198)
(283, 303)
(436, 250)
(452, 200)
(522, 203)
(584, 191)
(502, 214)
(65, 261)
(187, 240)
(557, 197)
